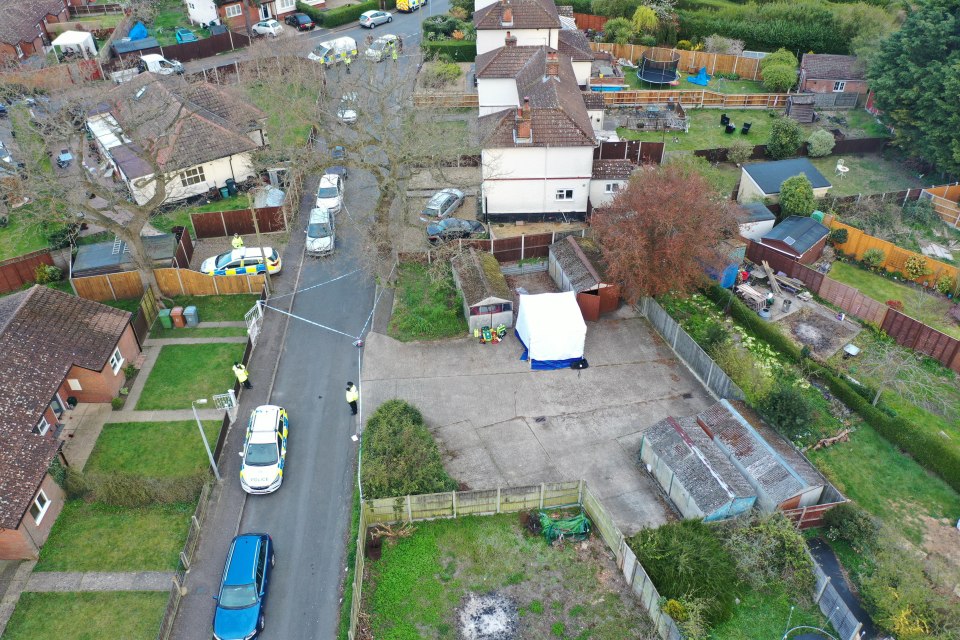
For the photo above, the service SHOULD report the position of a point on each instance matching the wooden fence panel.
(110, 286)
(16, 272)
(586, 21)
(690, 61)
(946, 202)
(912, 333)
(449, 101)
(217, 224)
(698, 98)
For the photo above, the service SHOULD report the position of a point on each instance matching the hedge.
(457, 50)
(315, 15)
(349, 13)
(925, 448)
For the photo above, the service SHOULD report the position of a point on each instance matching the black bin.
(231, 185)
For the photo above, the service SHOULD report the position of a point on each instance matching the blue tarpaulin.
(139, 32)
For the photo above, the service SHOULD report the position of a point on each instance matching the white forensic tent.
(77, 42)
(552, 329)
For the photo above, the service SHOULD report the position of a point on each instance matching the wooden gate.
(589, 302)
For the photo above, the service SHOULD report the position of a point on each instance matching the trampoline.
(659, 66)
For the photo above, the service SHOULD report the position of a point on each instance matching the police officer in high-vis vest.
(243, 377)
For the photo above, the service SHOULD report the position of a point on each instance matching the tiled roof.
(565, 11)
(527, 14)
(507, 62)
(558, 115)
(181, 125)
(574, 44)
(710, 478)
(43, 332)
(612, 169)
(21, 17)
(583, 276)
(827, 66)
(478, 273)
(593, 99)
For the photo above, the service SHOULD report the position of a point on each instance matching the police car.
(264, 450)
(240, 262)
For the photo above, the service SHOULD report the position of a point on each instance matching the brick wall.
(826, 86)
(24, 542)
(102, 386)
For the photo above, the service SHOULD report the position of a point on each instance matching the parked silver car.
(370, 19)
(267, 28)
(442, 204)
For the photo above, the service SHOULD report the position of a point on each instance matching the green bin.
(165, 320)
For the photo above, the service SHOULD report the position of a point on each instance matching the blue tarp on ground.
(701, 78)
(544, 365)
(139, 32)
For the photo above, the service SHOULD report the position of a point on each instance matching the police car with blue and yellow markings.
(242, 262)
(264, 450)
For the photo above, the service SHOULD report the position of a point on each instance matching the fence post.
(498, 499)
(409, 510)
(223, 221)
(822, 589)
(454, 493)
(541, 495)
(522, 244)
(580, 489)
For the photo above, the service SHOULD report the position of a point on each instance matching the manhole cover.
(540, 419)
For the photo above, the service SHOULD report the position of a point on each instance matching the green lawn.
(22, 234)
(412, 591)
(197, 332)
(218, 308)
(290, 126)
(885, 482)
(765, 615)
(426, 309)
(716, 86)
(152, 449)
(868, 174)
(929, 309)
(184, 373)
(165, 222)
(105, 20)
(706, 132)
(722, 176)
(133, 615)
(170, 16)
(99, 537)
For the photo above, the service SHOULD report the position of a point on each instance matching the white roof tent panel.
(107, 131)
(79, 41)
(551, 326)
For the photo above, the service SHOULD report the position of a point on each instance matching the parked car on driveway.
(185, 35)
(301, 21)
(242, 595)
(370, 19)
(241, 262)
(264, 450)
(330, 193)
(267, 28)
(453, 229)
(347, 111)
(339, 155)
(442, 204)
(320, 232)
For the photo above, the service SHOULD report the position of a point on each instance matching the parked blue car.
(243, 588)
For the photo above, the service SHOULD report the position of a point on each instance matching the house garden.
(427, 305)
(85, 615)
(186, 372)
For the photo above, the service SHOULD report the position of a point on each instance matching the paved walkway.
(226, 323)
(13, 587)
(171, 415)
(160, 342)
(99, 581)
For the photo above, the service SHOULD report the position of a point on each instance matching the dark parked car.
(301, 21)
(452, 229)
(339, 155)
(243, 589)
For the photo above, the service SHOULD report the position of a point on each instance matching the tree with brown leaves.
(662, 232)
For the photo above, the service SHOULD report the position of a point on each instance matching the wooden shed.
(577, 265)
(487, 301)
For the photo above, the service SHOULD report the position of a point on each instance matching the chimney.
(506, 14)
(510, 41)
(523, 132)
(553, 64)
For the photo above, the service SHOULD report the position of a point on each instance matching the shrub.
(714, 336)
(739, 152)
(647, 41)
(75, 484)
(615, 8)
(916, 267)
(838, 236)
(786, 136)
(349, 13)
(684, 45)
(455, 50)
(315, 15)
(619, 31)
(645, 20)
(796, 196)
(58, 472)
(788, 410)
(780, 57)
(686, 560)
(676, 610)
(820, 143)
(768, 550)
(132, 490)
(459, 13)
(921, 213)
(779, 78)
(60, 235)
(440, 74)
(873, 257)
(944, 284)
(896, 305)
(466, 7)
(443, 26)
(117, 403)
(719, 44)
(852, 524)
(754, 381)
(45, 273)
(400, 455)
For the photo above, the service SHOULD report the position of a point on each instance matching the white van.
(320, 232)
(334, 51)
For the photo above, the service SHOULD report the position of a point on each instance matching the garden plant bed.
(818, 328)
(184, 373)
(421, 586)
(133, 615)
(427, 306)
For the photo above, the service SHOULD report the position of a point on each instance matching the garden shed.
(799, 237)
(76, 42)
(487, 301)
(762, 180)
(551, 329)
(114, 256)
(755, 220)
(693, 472)
(776, 484)
(576, 264)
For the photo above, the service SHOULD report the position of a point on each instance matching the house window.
(74, 384)
(42, 428)
(39, 506)
(116, 361)
(192, 176)
(564, 194)
(19, 50)
(838, 87)
(488, 309)
(233, 11)
(56, 406)
(285, 5)
(611, 187)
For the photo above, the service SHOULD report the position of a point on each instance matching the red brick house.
(55, 349)
(828, 73)
(231, 12)
(23, 26)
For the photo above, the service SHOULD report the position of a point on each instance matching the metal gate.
(228, 402)
(254, 319)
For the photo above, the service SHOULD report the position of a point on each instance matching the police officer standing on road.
(237, 241)
(393, 54)
(346, 62)
(243, 377)
(353, 394)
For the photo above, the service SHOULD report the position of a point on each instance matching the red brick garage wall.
(104, 385)
(24, 542)
(826, 86)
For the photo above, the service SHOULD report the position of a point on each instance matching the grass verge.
(158, 332)
(133, 615)
(126, 304)
(351, 558)
(765, 615)
(186, 372)
(153, 449)
(218, 308)
(99, 537)
(426, 308)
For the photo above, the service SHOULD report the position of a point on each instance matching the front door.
(265, 11)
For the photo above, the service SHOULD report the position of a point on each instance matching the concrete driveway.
(501, 424)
